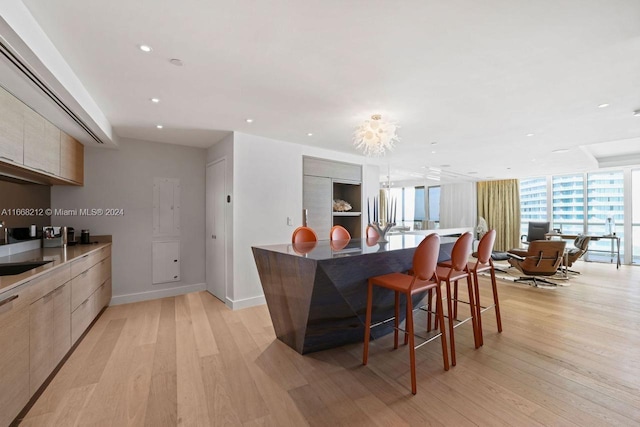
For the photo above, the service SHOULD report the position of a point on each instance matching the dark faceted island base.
(317, 293)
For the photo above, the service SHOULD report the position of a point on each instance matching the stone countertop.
(58, 256)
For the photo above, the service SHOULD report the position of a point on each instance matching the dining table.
(316, 292)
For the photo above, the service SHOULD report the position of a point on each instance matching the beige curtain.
(499, 205)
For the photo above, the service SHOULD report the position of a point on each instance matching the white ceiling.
(475, 77)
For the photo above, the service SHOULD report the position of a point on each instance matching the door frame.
(225, 222)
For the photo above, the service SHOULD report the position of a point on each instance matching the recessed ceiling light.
(603, 105)
(530, 134)
(508, 169)
(145, 48)
(159, 126)
(155, 100)
(434, 143)
(433, 152)
(177, 62)
(560, 150)
(636, 113)
(249, 120)
(309, 134)
(445, 166)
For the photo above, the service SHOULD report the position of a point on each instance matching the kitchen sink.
(9, 269)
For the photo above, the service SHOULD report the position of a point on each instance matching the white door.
(215, 228)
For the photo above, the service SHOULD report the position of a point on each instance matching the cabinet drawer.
(49, 281)
(82, 316)
(85, 262)
(105, 269)
(84, 285)
(104, 295)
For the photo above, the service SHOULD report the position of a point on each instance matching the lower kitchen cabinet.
(14, 360)
(38, 326)
(49, 334)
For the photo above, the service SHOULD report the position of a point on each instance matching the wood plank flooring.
(567, 357)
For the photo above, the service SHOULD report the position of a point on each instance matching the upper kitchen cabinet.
(71, 159)
(324, 182)
(41, 143)
(11, 128)
(35, 150)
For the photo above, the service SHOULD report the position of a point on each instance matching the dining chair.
(338, 232)
(424, 278)
(450, 272)
(304, 234)
(484, 262)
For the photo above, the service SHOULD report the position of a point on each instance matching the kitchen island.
(317, 292)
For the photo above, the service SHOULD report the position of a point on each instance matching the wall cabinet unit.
(11, 128)
(71, 159)
(325, 181)
(33, 148)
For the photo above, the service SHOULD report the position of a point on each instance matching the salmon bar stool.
(451, 272)
(424, 278)
(485, 263)
(338, 232)
(304, 235)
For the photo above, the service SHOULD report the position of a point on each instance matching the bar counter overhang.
(317, 292)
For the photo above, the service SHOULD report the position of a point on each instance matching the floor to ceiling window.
(592, 203)
(533, 202)
(434, 206)
(605, 211)
(568, 203)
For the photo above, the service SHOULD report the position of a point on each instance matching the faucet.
(4, 233)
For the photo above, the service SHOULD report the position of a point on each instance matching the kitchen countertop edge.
(58, 256)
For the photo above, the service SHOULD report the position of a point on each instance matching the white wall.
(123, 179)
(268, 188)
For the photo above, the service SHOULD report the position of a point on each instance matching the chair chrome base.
(534, 280)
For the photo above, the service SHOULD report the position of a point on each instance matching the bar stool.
(485, 263)
(338, 232)
(423, 279)
(451, 272)
(304, 235)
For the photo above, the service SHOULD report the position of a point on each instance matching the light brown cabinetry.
(325, 181)
(11, 128)
(71, 159)
(41, 143)
(33, 148)
(38, 325)
(14, 352)
(49, 333)
(90, 289)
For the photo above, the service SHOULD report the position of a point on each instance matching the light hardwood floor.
(567, 356)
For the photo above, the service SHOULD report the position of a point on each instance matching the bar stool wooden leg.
(443, 338)
(367, 325)
(474, 313)
(452, 340)
(455, 299)
(412, 345)
(495, 300)
(396, 321)
(476, 291)
(429, 296)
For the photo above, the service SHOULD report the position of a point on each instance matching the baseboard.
(245, 303)
(155, 294)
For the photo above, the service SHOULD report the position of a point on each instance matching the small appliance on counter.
(71, 236)
(54, 237)
(85, 238)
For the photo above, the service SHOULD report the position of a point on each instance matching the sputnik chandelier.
(375, 136)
